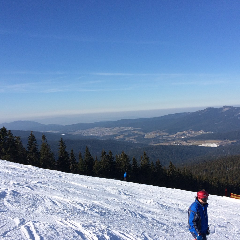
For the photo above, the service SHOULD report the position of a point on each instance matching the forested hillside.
(177, 154)
(223, 171)
(143, 170)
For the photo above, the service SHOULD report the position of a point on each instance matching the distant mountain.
(31, 126)
(216, 120)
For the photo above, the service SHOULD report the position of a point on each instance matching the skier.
(125, 176)
(198, 217)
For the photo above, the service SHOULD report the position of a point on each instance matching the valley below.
(135, 135)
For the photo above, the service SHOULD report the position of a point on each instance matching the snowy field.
(38, 204)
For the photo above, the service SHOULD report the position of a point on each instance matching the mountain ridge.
(210, 119)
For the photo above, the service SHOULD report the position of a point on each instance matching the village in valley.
(135, 135)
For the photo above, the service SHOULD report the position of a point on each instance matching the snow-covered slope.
(42, 204)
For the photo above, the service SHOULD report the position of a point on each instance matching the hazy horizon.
(107, 116)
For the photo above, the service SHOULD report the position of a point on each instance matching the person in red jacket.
(198, 217)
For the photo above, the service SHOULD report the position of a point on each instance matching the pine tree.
(188, 178)
(106, 166)
(135, 170)
(104, 171)
(22, 152)
(122, 165)
(33, 155)
(47, 159)
(81, 167)
(145, 168)
(112, 164)
(152, 174)
(160, 174)
(63, 158)
(73, 162)
(11, 147)
(11, 151)
(96, 168)
(3, 142)
(88, 162)
(173, 175)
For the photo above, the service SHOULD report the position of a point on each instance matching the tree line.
(222, 172)
(108, 166)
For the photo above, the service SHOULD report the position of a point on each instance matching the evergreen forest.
(218, 176)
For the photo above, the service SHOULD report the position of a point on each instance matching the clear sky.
(64, 57)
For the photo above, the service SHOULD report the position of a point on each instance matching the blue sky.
(73, 58)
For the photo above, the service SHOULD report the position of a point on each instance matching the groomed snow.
(38, 204)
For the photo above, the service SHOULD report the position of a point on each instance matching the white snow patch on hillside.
(208, 145)
(38, 204)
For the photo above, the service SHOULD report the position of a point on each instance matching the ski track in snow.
(38, 204)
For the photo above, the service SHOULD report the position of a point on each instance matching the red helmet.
(202, 194)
